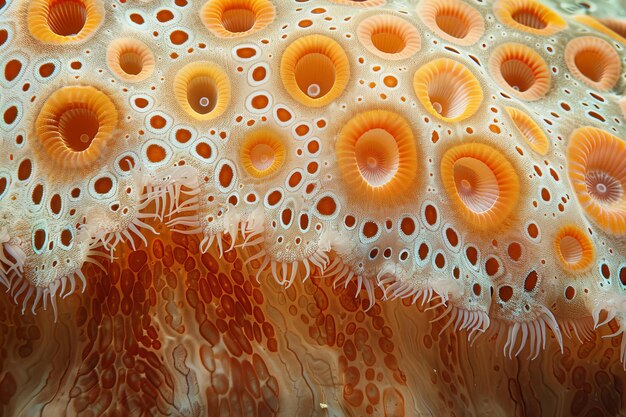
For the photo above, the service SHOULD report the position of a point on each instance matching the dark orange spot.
(24, 170)
(260, 102)
(294, 179)
(155, 153)
(283, 115)
(137, 19)
(226, 175)
(531, 281)
(164, 15)
(370, 229)
(46, 69)
(158, 122)
(430, 212)
(204, 150)
(103, 185)
(313, 146)
(183, 135)
(407, 225)
(39, 239)
(440, 261)
(37, 194)
(349, 221)
(472, 255)
(142, 103)
(66, 237)
(515, 251)
(477, 289)
(286, 216)
(452, 237)
(327, 206)
(55, 204)
(533, 230)
(302, 130)
(12, 69)
(126, 163)
(274, 197)
(178, 37)
(505, 292)
(10, 115)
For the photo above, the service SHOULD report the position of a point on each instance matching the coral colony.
(312, 208)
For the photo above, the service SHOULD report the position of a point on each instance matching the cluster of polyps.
(448, 150)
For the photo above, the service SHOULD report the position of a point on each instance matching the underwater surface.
(312, 208)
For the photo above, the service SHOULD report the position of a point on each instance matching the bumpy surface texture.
(292, 207)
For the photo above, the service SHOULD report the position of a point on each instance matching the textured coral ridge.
(173, 174)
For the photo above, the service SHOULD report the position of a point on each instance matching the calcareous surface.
(312, 207)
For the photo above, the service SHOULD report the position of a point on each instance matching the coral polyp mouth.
(452, 20)
(389, 37)
(481, 182)
(64, 21)
(529, 16)
(521, 71)
(594, 61)
(233, 19)
(448, 90)
(75, 125)
(263, 153)
(377, 156)
(603, 187)
(202, 89)
(314, 70)
(574, 248)
(130, 59)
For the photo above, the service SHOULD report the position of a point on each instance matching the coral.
(311, 207)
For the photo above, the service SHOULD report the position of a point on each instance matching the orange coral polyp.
(236, 18)
(130, 59)
(389, 37)
(314, 70)
(529, 16)
(614, 28)
(594, 61)
(202, 90)
(521, 71)
(481, 182)
(574, 248)
(447, 89)
(596, 166)
(75, 125)
(452, 20)
(262, 153)
(64, 21)
(530, 130)
(377, 156)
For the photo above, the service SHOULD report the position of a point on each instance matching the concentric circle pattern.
(597, 171)
(312, 207)
(481, 182)
(76, 125)
(377, 155)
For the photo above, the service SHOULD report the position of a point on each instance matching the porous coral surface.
(292, 207)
